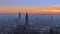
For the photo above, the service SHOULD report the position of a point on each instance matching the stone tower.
(27, 27)
(19, 15)
(26, 19)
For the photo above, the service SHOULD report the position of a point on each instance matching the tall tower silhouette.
(27, 28)
(19, 15)
(26, 19)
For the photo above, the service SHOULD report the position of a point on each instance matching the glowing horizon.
(31, 6)
(30, 10)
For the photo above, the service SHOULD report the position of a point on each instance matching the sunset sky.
(31, 6)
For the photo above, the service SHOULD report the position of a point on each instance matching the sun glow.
(31, 10)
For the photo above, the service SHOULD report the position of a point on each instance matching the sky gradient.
(32, 6)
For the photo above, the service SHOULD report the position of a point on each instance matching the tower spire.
(19, 15)
(26, 19)
(27, 27)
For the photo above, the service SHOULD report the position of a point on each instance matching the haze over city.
(29, 16)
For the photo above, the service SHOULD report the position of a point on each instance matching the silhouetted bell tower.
(27, 28)
(26, 19)
(19, 15)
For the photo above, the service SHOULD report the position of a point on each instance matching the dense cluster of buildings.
(26, 28)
